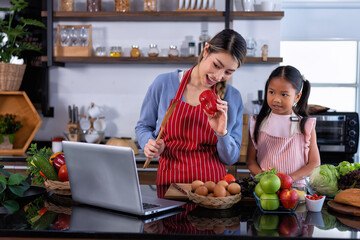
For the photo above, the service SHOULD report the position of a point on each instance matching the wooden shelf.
(152, 60)
(176, 16)
(259, 15)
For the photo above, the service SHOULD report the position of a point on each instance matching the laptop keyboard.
(149, 205)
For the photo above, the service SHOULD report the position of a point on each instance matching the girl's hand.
(218, 122)
(153, 149)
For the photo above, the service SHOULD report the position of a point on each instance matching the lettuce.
(345, 167)
(324, 180)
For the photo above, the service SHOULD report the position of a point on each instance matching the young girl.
(282, 135)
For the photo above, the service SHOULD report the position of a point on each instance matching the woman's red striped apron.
(190, 145)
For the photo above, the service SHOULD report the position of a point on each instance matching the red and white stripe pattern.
(190, 153)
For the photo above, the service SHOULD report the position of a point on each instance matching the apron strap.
(183, 84)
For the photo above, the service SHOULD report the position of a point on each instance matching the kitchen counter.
(242, 221)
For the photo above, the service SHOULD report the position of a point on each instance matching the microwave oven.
(337, 133)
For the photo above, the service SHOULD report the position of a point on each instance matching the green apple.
(269, 201)
(270, 183)
(258, 190)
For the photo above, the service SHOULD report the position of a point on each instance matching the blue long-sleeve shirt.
(157, 101)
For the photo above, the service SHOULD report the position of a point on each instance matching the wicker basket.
(11, 76)
(61, 188)
(214, 202)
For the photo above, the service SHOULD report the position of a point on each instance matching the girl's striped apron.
(285, 154)
(190, 145)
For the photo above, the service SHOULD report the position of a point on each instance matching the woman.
(196, 145)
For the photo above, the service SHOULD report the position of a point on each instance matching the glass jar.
(173, 52)
(135, 51)
(93, 5)
(115, 51)
(66, 5)
(122, 5)
(203, 40)
(153, 50)
(191, 49)
(150, 5)
(100, 51)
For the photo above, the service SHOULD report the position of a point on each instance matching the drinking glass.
(83, 37)
(64, 36)
(74, 36)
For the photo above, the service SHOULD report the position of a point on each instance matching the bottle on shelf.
(173, 52)
(150, 5)
(93, 5)
(191, 49)
(115, 51)
(66, 5)
(203, 40)
(122, 5)
(153, 50)
(135, 51)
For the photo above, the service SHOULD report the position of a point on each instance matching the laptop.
(106, 176)
(94, 219)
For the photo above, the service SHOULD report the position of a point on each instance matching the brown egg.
(218, 229)
(224, 183)
(210, 186)
(219, 191)
(202, 190)
(234, 227)
(195, 184)
(234, 188)
(227, 193)
(211, 195)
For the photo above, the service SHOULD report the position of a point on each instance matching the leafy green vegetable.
(324, 180)
(345, 167)
(260, 175)
(37, 178)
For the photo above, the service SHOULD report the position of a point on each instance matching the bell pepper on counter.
(208, 101)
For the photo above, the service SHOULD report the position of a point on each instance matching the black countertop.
(66, 219)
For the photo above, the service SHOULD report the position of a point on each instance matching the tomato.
(270, 183)
(229, 178)
(314, 197)
(208, 100)
(62, 222)
(42, 211)
(63, 174)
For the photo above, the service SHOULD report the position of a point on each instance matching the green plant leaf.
(28, 46)
(12, 205)
(2, 188)
(25, 184)
(3, 179)
(6, 173)
(32, 22)
(18, 190)
(16, 178)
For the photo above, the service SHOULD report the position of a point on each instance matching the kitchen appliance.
(337, 136)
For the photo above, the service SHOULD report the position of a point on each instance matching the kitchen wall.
(120, 88)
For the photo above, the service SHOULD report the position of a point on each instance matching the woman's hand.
(153, 149)
(218, 122)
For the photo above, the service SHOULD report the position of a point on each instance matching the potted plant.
(12, 67)
(8, 127)
(12, 187)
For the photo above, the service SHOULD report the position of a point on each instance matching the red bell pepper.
(59, 160)
(208, 101)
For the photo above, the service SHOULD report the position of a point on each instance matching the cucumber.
(45, 167)
(45, 220)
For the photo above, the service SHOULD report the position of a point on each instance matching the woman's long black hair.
(300, 84)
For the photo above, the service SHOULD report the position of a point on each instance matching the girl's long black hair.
(294, 77)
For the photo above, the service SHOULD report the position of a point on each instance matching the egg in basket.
(220, 195)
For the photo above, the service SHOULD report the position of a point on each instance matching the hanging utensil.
(163, 123)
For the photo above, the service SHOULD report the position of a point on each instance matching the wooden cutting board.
(173, 193)
(342, 208)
